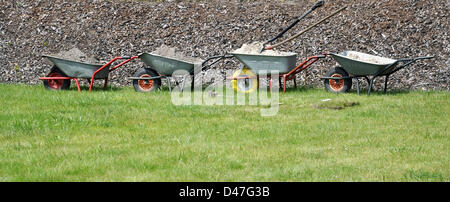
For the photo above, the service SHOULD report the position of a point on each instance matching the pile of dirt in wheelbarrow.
(171, 52)
(255, 49)
(370, 58)
(76, 54)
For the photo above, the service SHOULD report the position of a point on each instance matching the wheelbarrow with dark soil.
(63, 71)
(355, 65)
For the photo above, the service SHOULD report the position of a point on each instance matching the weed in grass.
(332, 104)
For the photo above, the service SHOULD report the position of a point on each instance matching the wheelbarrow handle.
(317, 5)
(406, 62)
(424, 58)
(414, 59)
(218, 57)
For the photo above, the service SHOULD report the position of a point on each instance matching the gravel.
(104, 29)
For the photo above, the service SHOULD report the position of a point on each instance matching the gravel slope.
(104, 29)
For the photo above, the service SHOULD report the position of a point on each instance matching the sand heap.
(76, 54)
(172, 53)
(369, 58)
(255, 48)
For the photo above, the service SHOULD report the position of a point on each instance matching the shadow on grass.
(364, 91)
(306, 88)
(97, 88)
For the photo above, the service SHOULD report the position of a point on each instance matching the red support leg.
(92, 84)
(78, 84)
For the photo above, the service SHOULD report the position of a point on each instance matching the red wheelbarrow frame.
(126, 58)
(290, 75)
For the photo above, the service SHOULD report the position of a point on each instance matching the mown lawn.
(121, 135)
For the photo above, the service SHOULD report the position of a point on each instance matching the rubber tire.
(338, 72)
(146, 71)
(66, 82)
(236, 84)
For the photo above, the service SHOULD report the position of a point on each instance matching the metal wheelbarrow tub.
(255, 64)
(166, 66)
(268, 63)
(362, 64)
(78, 69)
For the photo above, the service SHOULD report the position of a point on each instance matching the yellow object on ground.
(244, 85)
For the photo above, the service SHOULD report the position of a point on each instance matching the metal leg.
(78, 84)
(270, 84)
(184, 81)
(106, 84)
(371, 84)
(92, 84)
(385, 83)
(284, 84)
(357, 85)
(367, 79)
(368, 82)
(193, 83)
(168, 83)
(257, 81)
(295, 81)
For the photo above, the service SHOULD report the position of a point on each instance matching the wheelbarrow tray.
(257, 63)
(78, 69)
(362, 64)
(166, 66)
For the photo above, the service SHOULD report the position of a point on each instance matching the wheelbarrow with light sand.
(355, 65)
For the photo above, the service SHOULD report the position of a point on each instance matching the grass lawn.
(121, 135)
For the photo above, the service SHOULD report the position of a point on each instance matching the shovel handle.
(305, 30)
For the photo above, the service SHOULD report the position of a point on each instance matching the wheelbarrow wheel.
(57, 84)
(244, 85)
(146, 86)
(337, 85)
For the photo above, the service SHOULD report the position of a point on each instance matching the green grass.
(121, 135)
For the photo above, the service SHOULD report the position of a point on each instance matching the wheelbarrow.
(159, 67)
(246, 78)
(63, 71)
(355, 65)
